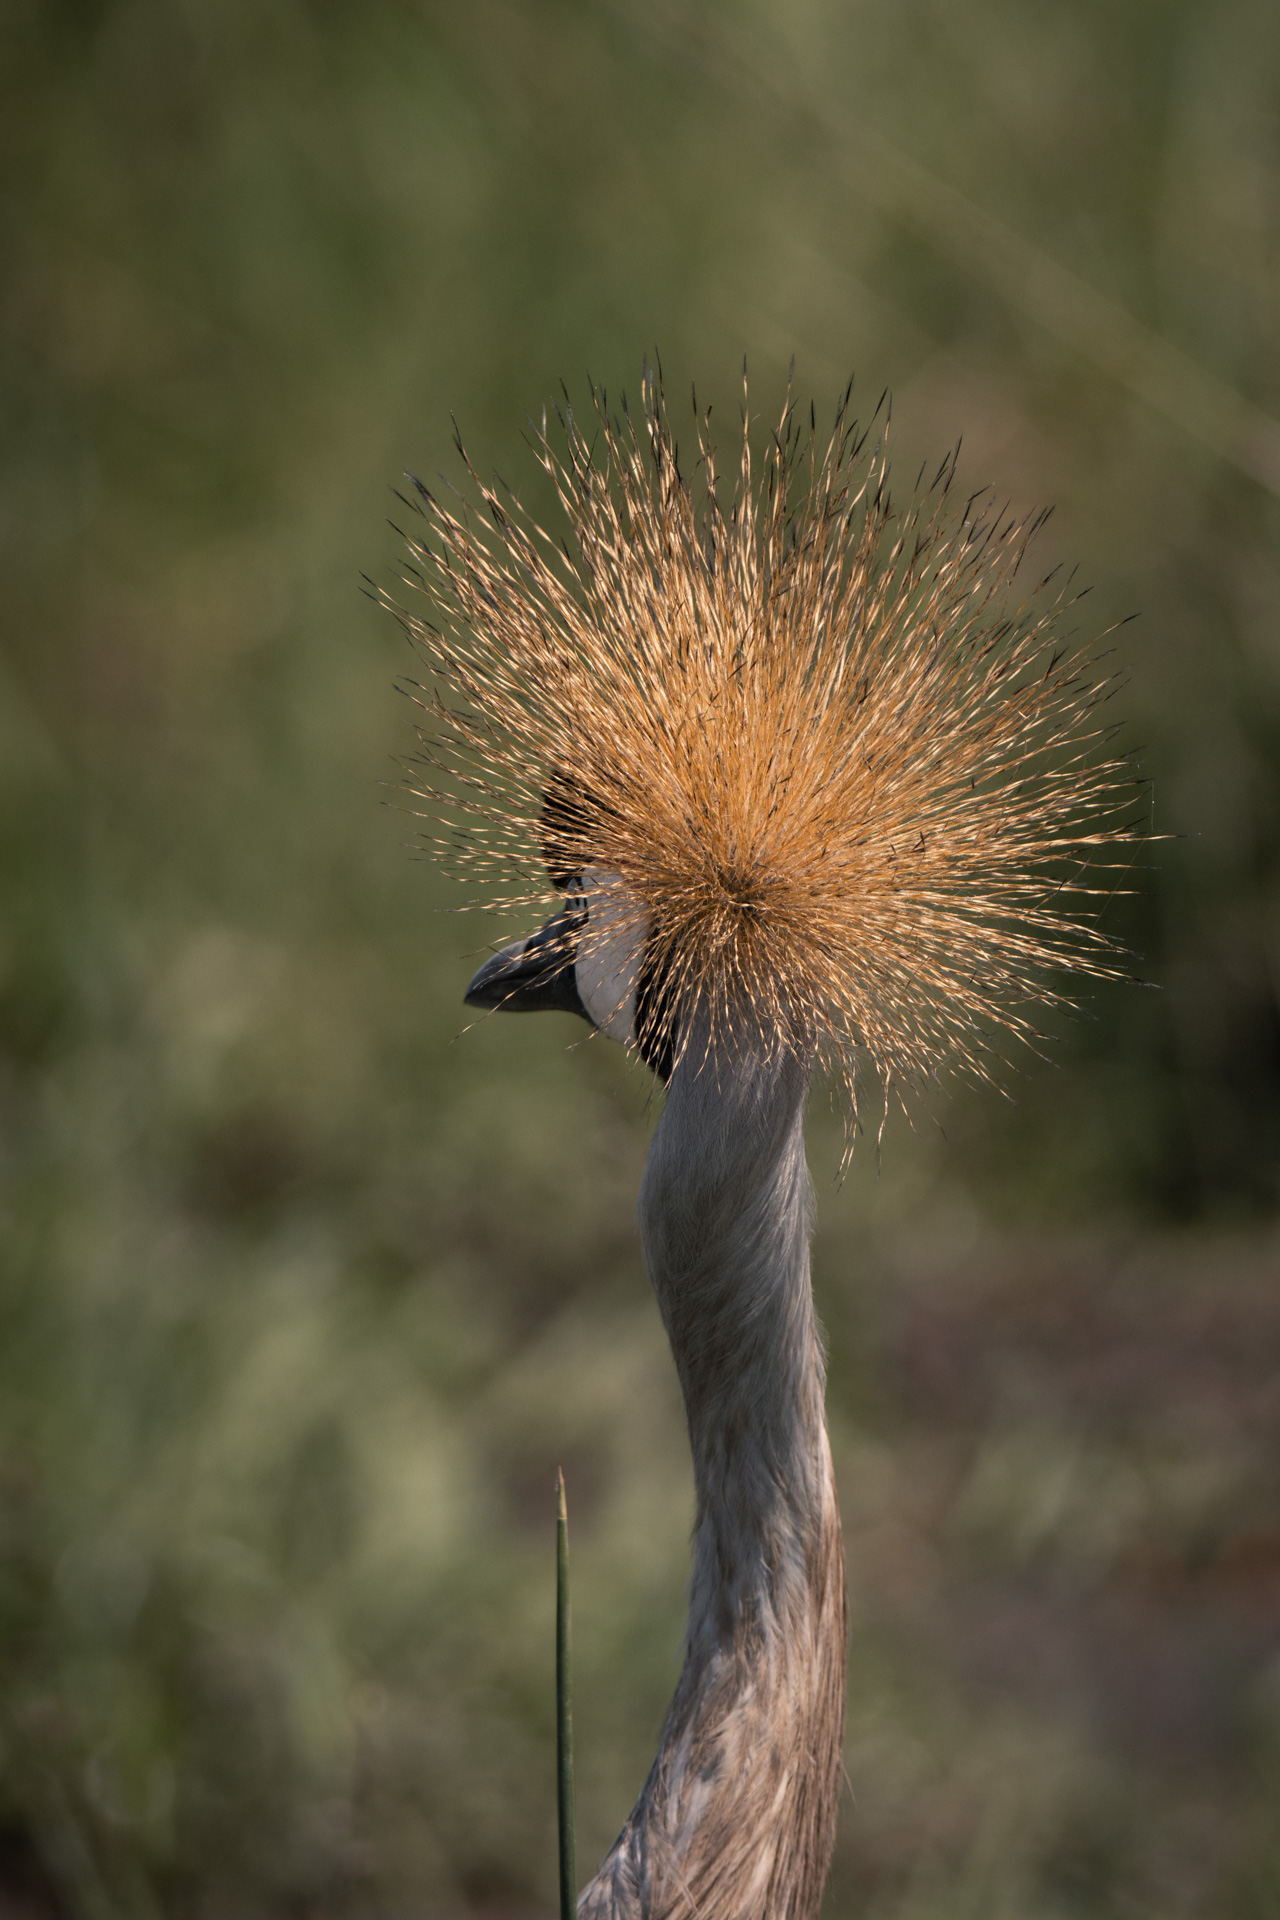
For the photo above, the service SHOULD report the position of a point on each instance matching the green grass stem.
(564, 1713)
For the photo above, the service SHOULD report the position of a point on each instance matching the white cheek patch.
(610, 949)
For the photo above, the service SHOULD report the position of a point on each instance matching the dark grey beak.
(534, 975)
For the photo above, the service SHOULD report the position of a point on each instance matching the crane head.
(591, 958)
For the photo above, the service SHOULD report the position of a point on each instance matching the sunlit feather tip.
(848, 783)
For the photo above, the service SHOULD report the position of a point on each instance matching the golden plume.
(841, 771)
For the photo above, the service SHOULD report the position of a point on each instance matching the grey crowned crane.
(815, 783)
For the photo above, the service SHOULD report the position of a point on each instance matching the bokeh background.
(304, 1297)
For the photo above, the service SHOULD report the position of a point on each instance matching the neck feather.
(737, 1817)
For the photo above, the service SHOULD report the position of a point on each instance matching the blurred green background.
(304, 1298)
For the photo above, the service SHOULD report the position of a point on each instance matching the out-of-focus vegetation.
(302, 1299)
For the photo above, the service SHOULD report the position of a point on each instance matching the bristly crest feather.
(847, 777)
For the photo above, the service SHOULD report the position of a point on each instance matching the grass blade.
(564, 1713)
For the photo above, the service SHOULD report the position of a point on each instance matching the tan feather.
(837, 759)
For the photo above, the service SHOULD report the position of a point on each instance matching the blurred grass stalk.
(1026, 278)
(564, 1712)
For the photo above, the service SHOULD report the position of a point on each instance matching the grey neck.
(724, 1217)
(738, 1811)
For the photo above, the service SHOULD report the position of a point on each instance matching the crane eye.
(569, 825)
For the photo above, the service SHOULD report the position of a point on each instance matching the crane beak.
(535, 975)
